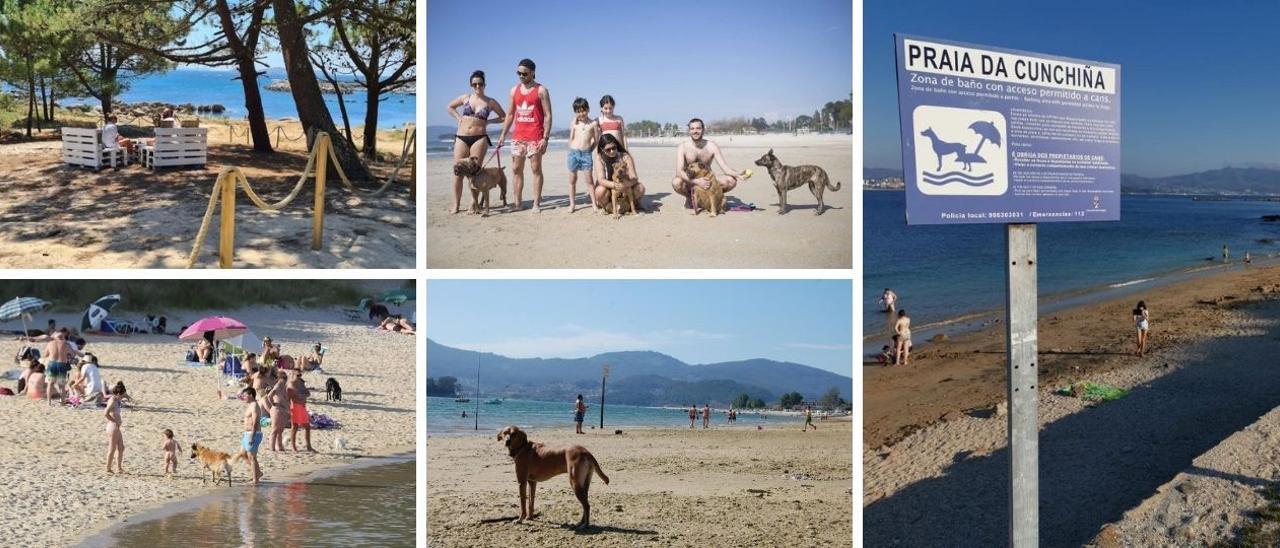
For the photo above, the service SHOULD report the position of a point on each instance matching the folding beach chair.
(231, 367)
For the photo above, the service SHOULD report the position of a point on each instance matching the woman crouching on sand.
(611, 151)
(1140, 319)
(472, 139)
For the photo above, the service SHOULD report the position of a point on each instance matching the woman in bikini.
(610, 150)
(472, 139)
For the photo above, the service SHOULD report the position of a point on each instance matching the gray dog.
(482, 181)
(788, 177)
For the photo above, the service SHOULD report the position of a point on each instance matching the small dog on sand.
(482, 180)
(332, 390)
(213, 461)
(711, 199)
(536, 462)
(786, 178)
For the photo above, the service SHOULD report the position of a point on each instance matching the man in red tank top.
(530, 126)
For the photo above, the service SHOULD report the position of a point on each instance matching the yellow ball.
(747, 174)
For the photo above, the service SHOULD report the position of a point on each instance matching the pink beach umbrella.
(221, 326)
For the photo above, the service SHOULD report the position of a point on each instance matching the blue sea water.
(207, 87)
(944, 272)
(444, 416)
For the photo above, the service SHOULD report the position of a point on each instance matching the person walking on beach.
(115, 436)
(902, 328)
(58, 355)
(472, 137)
(530, 128)
(251, 437)
(170, 449)
(888, 299)
(706, 415)
(582, 142)
(693, 415)
(1141, 319)
(808, 419)
(298, 394)
(697, 149)
(579, 412)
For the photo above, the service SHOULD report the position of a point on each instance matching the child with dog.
(298, 394)
(582, 139)
(115, 434)
(170, 449)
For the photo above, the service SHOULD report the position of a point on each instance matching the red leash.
(496, 154)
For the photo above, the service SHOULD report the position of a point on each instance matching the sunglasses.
(523, 73)
(477, 84)
(610, 149)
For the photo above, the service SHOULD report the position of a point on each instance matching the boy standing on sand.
(251, 438)
(579, 412)
(582, 139)
(298, 394)
(170, 448)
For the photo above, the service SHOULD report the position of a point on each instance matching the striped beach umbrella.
(21, 307)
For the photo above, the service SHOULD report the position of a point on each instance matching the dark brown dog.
(621, 174)
(712, 198)
(536, 462)
(787, 177)
(482, 180)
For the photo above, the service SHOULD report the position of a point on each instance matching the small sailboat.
(493, 401)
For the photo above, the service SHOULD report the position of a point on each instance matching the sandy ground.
(53, 458)
(669, 487)
(59, 216)
(667, 236)
(935, 455)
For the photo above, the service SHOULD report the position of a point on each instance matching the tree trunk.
(31, 101)
(44, 99)
(371, 120)
(312, 111)
(253, 104)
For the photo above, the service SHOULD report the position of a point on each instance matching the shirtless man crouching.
(697, 149)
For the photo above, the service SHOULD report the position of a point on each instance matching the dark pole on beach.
(602, 378)
(1020, 323)
(477, 390)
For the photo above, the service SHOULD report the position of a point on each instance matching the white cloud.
(575, 341)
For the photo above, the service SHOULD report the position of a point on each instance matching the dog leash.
(496, 154)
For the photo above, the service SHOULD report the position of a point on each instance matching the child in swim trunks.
(170, 448)
(582, 140)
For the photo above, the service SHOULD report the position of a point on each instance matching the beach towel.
(323, 422)
(1093, 391)
(743, 207)
(12, 375)
(5, 391)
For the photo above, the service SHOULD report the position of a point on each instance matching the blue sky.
(667, 61)
(1199, 80)
(803, 321)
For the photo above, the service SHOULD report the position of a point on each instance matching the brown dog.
(536, 462)
(213, 461)
(482, 180)
(621, 174)
(711, 199)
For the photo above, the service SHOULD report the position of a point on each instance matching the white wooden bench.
(177, 147)
(83, 147)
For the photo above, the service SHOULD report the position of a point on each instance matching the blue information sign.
(993, 135)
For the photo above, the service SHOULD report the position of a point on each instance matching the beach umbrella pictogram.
(98, 311)
(988, 132)
(22, 307)
(221, 326)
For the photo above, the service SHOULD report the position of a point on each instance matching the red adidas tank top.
(529, 115)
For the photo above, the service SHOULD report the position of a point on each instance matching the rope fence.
(322, 152)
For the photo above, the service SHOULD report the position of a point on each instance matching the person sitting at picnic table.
(167, 114)
(111, 137)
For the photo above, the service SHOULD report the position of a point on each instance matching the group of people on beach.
(899, 352)
(596, 146)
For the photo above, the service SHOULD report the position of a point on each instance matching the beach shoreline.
(56, 461)
(197, 499)
(966, 372)
(673, 486)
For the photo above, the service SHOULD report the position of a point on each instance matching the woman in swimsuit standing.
(1140, 319)
(472, 139)
(903, 329)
